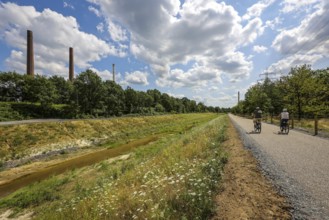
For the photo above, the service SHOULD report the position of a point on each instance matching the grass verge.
(173, 178)
(177, 183)
(19, 141)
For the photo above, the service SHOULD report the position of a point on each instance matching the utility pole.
(30, 54)
(266, 74)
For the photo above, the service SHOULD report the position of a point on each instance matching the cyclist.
(284, 117)
(257, 115)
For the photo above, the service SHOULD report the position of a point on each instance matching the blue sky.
(204, 50)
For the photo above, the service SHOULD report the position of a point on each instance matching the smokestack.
(113, 72)
(30, 55)
(71, 65)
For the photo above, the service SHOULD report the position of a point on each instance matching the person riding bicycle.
(257, 115)
(284, 117)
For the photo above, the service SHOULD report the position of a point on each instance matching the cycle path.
(297, 163)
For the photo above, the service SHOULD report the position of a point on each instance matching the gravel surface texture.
(31, 121)
(297, 164)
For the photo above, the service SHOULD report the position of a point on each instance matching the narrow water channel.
(77, 162)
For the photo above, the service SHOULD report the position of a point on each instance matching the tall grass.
(19, 141)
(35, 194)
(178, 182)
(306, 124)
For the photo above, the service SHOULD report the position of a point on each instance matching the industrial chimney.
(71, 65)
(30, 55)
(238, 97)
(113, 72)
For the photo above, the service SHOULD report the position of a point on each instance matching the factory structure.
(30, 59)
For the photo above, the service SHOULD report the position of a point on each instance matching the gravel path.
(31, 121)
(297, 164)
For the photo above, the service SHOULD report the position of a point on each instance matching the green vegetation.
(35, 194)
(7, 112)
(24, 97)
(307, 124)
(175, 177)
(304, 92)
(17, 141)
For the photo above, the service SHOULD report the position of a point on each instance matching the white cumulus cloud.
(295, 5)
(306, 43)
(164, 33)
(95, 11)
(51, 47)
(257, 9)
(137, 78)
(259, 48)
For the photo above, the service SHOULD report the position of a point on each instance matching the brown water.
(77, 162)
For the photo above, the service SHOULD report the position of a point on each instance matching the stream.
(11, 186)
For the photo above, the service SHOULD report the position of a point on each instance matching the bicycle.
(284, 127)
(258, 126)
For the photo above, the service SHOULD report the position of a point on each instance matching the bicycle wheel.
(257, 127)
(260, 127)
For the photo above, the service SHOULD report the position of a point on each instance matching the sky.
(207, 50)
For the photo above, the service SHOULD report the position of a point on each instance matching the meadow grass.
(323, 124)
(176, 177)
(18, 141)
(34, 195)
(306, 124)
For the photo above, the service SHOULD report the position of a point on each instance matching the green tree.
(166, 102)
(89, 92)
(131, 100)
(192, 106)
(156, 96)
(64, 89)
(256, 97)
(39, 89)
(179, 106)
(159, 108)
(186, 102)
(145, 102)
(201, 107)
(320, 96)
(11, 86)
(299, 86)
(274, 103)
(114, 98)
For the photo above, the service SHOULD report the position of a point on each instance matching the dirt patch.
(7, 216)
(246, 193)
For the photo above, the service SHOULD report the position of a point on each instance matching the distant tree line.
(304, 92)
(89, 96)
